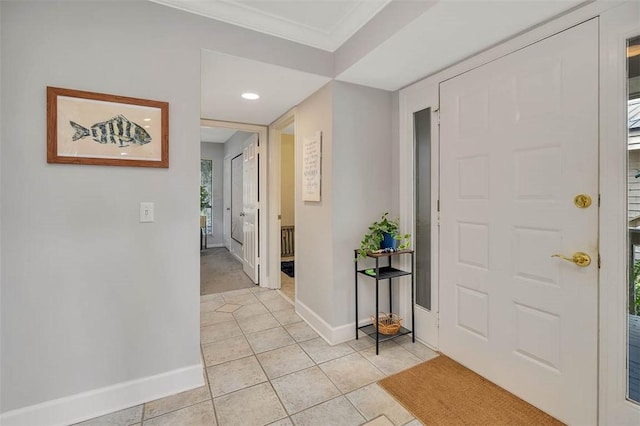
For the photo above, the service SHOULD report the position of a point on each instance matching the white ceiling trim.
(243, 15)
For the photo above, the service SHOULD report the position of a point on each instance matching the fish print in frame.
(118, 130)
(99, 129)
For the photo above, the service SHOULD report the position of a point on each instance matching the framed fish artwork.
(108, 130)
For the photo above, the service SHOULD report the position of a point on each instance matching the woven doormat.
(443, 392)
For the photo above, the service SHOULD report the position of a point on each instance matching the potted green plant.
(382, 234)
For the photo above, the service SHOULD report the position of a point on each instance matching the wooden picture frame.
(107, 130)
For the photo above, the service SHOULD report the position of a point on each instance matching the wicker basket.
(387, 323)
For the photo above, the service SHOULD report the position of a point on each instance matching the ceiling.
(381, 46)
(216, 134)
(225, 77)
(322, 24)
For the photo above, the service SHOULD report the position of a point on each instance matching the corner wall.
(357, 179)
(287, 180)
(314, 220)
(362, 191)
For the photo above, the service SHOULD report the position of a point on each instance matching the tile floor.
(265, 366)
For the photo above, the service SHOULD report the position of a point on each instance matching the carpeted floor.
(443, 392)
(221, 271)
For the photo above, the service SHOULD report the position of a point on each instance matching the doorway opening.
(230, 206)
(282, 202)
(287, 211)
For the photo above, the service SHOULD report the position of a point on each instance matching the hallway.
(221, 271)
(264, 365)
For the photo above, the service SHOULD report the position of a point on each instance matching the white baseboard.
(318, 324)
(98, 402)
(333, 335)
(215, 245)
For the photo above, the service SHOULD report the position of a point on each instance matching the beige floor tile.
(303, 389)
(301, 331)
(414, 422)
(213, 317)
(226, 350)
(250, 310)
(241, 299)
(257, 289)
(229, 307)
(195, 415)
(235, 375)
(392, 359)
(176, 402)
(236, 292)
(373, 401)
(255, 406)
(320, 351)
(125, 417)
(284, 422)
(417, 348)
(211, 305)
(267, 340)
(287, 316)
(277, 304)
(217, 332)
(268, 295)
(363, 342)
(337, 411)
(351, 372)
(257, 323)
(209, 297)
(286, 360)
(379, 421)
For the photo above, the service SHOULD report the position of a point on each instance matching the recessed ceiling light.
(250, 96)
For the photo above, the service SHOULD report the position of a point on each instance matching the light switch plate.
(146, 212)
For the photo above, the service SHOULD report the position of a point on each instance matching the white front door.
(518, 141)
(250, 209)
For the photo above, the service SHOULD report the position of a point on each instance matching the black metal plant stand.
(382, 273)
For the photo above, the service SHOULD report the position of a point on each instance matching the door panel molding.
(519, 139)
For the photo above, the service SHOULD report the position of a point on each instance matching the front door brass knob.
(579, 258)
(582, 201)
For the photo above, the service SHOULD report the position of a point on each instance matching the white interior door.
(250, 209)
(519, 140)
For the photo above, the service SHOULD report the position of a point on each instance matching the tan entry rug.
(443, 392)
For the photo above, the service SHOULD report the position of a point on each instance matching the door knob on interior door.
(579, 258)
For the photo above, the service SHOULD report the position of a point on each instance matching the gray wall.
(215, 153)
(287, 180)
(362, 186)
(90, 297)
(314, 245)
(357, 178)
